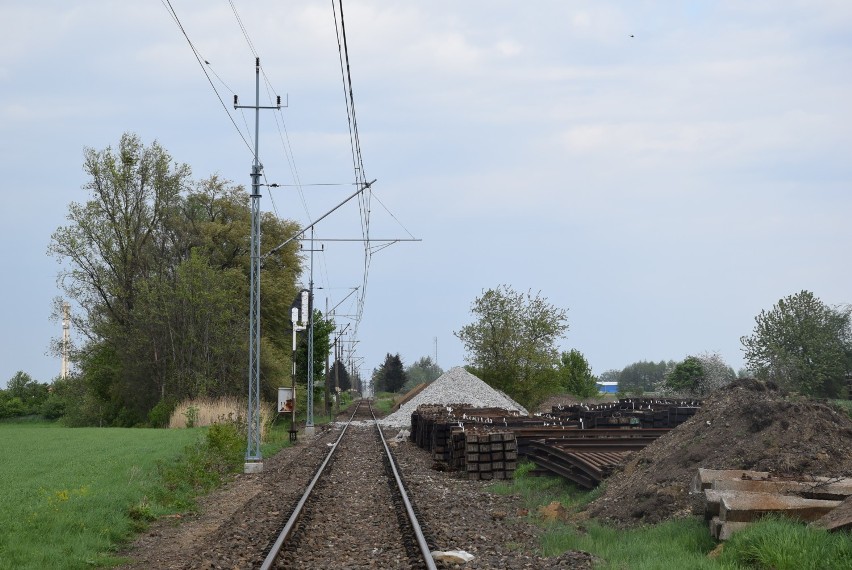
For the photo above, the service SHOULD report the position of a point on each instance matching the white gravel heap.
(456, 386)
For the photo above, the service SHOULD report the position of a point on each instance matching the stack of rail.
(581, 443)
(634, 412)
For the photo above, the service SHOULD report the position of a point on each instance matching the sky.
(662, 170)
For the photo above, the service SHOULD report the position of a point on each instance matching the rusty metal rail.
(292, 522)
(587, 467)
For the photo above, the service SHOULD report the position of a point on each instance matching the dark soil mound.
(746, 425)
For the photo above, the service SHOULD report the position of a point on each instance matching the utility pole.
(254, 459)
(309, 419)
(327, 406)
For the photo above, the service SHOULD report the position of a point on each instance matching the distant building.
(608, 387)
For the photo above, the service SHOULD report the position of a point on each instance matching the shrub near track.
(71, 495)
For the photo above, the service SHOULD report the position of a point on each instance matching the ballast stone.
(456, 386)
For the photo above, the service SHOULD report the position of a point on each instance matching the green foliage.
(191, 415)
(158, 268)
(803, 344)
(686, 376)
(782, 544)
(53, 407)
(390, 376)
(844, 405)
(575, 375)
(161, 413)
(698, 375)
(674, 544)
(23, 396)
(383, 402)
(323, 328)
(340, 375)
(511, 344)
(643, 376)
(204, 465)
(424, 371)
(226, 443)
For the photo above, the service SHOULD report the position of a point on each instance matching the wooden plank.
(728, 528)
(738, 506)
(836, 491)
(705, 477)
(838, 519)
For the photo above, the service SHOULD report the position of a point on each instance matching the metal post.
(254, 459)
(327, 403)
(309, 420)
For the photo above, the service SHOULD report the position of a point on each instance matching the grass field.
(70, 495)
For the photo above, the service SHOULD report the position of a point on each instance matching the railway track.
(355, 512)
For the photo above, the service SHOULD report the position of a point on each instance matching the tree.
(28, 392)
(158, 266)
(111, 239)
(511, 344)
(643, 376)
(575, 374)
(803, 344)
(717, 372)
(341, 375)
(390, 376)
(323, 328)
(686, 376)
(424, 371)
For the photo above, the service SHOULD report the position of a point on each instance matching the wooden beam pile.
(490, 454)
(734, 499)
(468, 439)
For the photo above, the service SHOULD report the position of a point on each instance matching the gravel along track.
(353, 518)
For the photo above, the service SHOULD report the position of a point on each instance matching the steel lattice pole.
(253, 448)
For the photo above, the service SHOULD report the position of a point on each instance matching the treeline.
(24, 396)
(393, 376)
(157, 265)
(802, 344)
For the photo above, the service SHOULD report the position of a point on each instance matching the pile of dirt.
(746, 425)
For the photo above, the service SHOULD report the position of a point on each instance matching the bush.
(54, 407)
(161, 413)
(226, 442)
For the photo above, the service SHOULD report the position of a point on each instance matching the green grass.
(71, 495)
(845, 405)
(383, 402)
(767, 544)
(786, 545)
(676, 544)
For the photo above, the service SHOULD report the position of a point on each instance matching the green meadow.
(70, 496)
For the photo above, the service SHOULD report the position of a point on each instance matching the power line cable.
(201, 62)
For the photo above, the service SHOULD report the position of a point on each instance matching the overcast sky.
(663, 170)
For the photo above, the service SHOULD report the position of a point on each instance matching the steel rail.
(415, 525)
(291, 522)
(426, 554)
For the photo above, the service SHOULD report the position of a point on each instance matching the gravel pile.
(456, 386)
